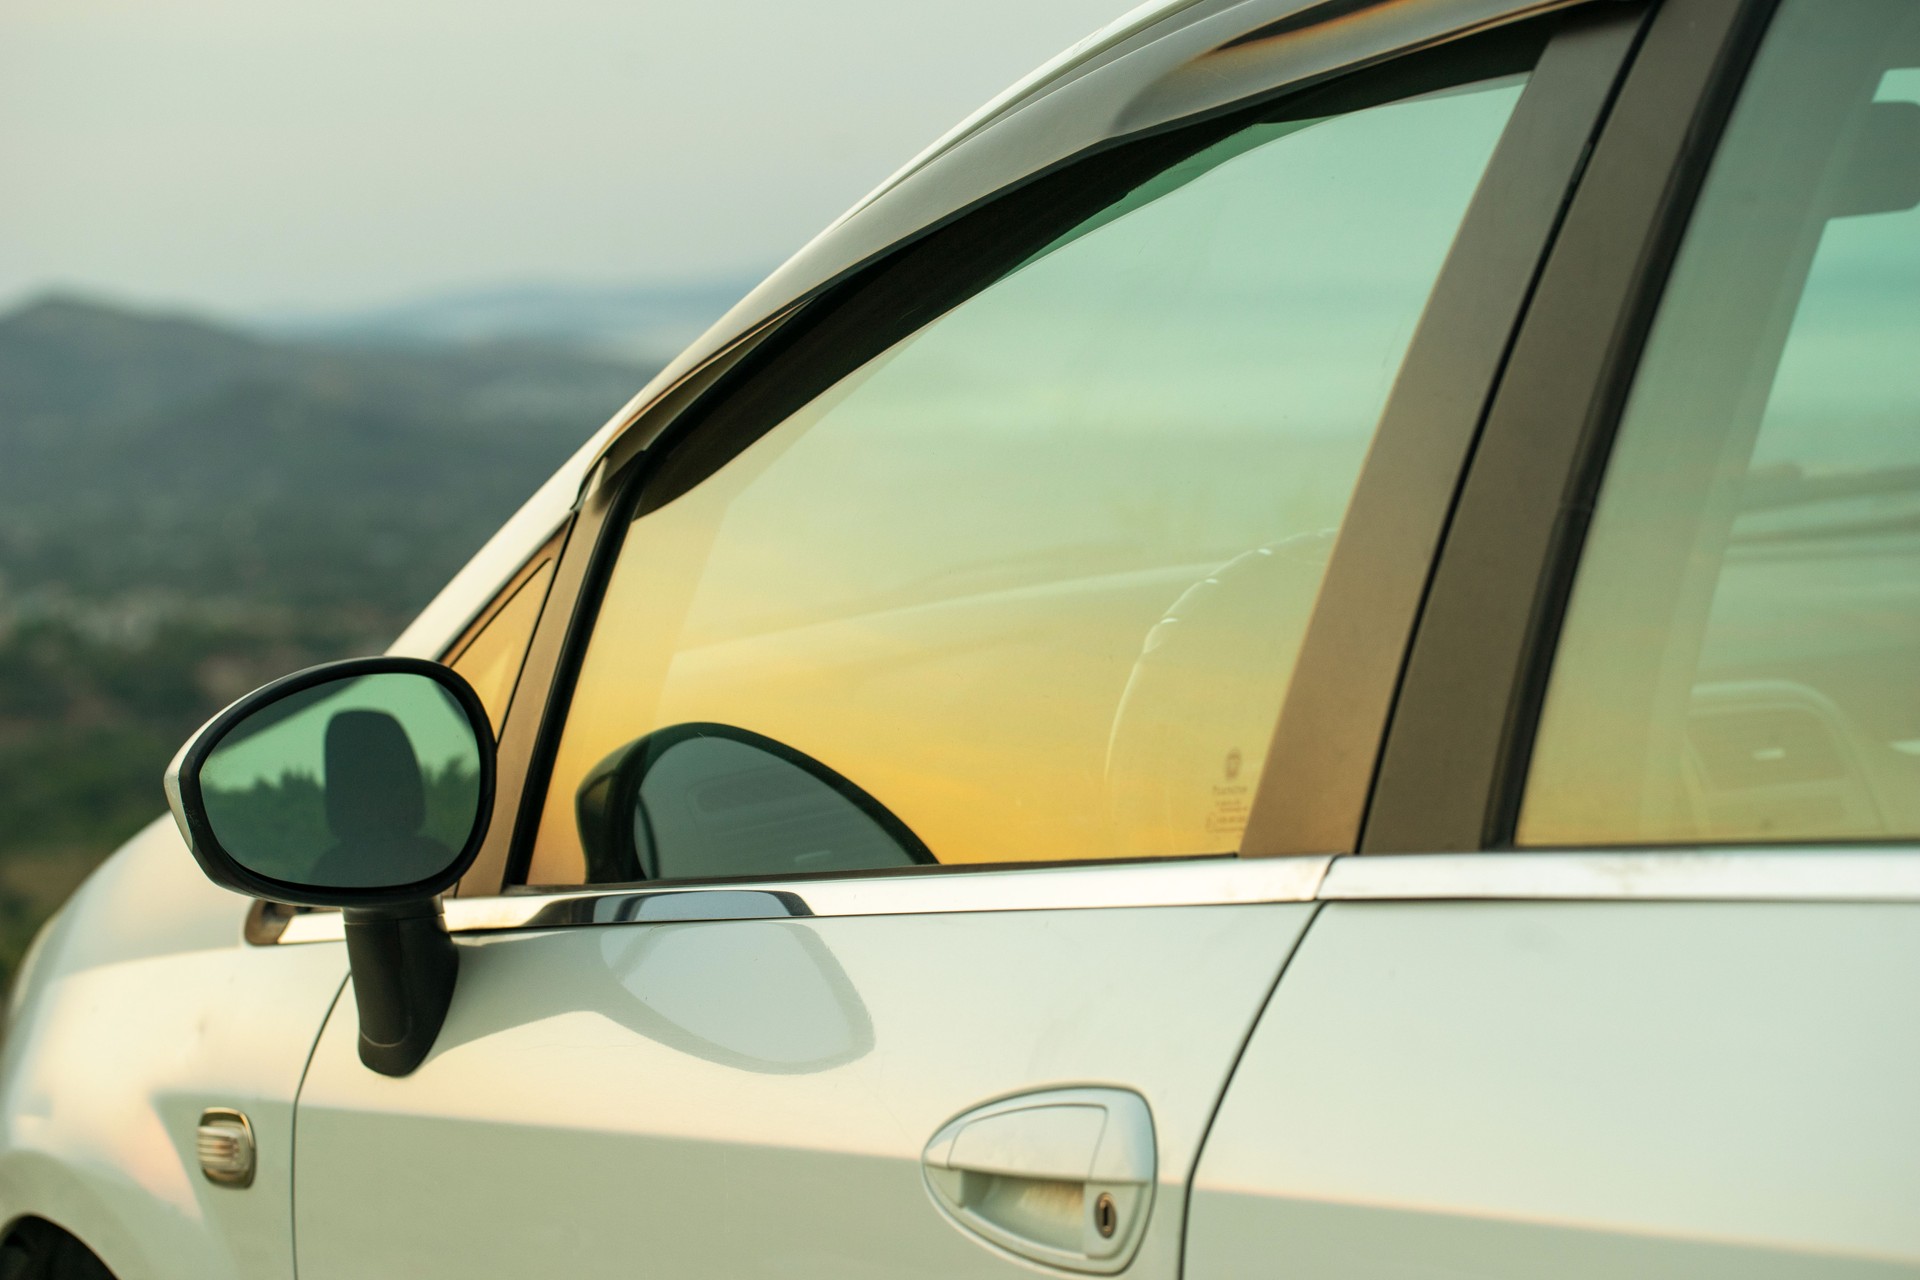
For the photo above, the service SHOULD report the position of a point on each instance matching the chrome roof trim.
(1176, 882)
(1838, 874)
(1123, 28)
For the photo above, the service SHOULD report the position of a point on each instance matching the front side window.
(1741, 656)
(1029, 584)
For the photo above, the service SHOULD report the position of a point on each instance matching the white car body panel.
(1577, 1089)
(752, 1097)
(142, 1006)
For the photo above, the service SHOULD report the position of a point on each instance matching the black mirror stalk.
(404, 967)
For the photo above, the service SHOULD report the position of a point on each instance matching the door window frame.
(1331, 725)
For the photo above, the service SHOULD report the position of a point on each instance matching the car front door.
(1623, 983)
(876, 908)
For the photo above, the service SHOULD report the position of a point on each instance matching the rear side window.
(1741, 656)
(1030, 584)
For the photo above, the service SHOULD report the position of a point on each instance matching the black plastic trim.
(1312, 795)
(405, 966)
(599, 531)
(1457, 744)
(1311, 16)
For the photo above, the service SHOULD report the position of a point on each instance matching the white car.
(1296, 653)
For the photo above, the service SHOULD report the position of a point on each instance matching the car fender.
(140, 1007)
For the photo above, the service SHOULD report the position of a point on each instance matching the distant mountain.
(67, 356)
(161, 452)
(62, 356)
(647, 322)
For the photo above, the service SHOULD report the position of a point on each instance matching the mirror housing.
(311, 791)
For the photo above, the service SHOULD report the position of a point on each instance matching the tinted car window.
(1034, 578)
(1741, 655)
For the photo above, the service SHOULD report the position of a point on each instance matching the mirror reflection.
(363, 782)
(766, 996)
(702, 801)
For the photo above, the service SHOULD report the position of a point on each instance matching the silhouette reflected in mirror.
(376, 802)
(360, 782)
(711, 801)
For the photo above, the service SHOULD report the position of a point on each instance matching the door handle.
(1062, 1176)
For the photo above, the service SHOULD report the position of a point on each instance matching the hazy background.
(298, 300)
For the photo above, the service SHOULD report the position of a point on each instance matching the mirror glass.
(364, 782)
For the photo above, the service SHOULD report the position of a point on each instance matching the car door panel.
(753, 1097)
(1576, 1089)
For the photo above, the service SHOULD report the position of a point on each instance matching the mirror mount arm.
(404, 967)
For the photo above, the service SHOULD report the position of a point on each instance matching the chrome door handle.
(1063, 1176)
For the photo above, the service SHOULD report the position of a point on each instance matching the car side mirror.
(365, 785)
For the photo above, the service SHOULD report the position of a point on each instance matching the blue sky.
(307, 155)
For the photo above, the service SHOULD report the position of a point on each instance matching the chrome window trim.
(1176, 882)
(1841, 874)
(1802, 874)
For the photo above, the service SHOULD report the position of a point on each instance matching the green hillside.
(188, 510)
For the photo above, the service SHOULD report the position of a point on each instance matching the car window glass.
(491, 661)
(1033, 579)
(1739, 657)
